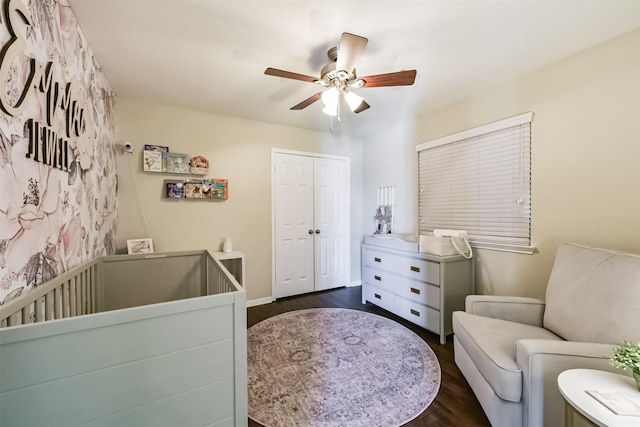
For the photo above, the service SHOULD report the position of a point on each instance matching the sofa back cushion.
(593, 295)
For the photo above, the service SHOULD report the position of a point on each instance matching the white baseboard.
(269, 300)
(259, 301)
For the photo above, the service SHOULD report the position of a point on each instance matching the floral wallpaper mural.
(57, 155)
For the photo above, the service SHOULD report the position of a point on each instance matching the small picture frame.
(139, 246)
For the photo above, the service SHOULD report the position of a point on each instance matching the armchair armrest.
(514, 309)
(542, 361)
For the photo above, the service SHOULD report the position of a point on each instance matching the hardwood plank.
(455, 403)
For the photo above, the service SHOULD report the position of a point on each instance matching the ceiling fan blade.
(289, 75)
(400, 78)
(363, 106)
(351, 48)
(307, 102)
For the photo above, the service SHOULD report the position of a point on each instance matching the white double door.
(311, 216)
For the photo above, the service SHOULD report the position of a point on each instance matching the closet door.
(331, 219)
(311, 216)
(294, 230)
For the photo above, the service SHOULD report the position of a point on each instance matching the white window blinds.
(480, 181)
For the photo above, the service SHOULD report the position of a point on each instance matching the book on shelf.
(174, 189)
(161, 148)
(199, 165)
(153, 161)
(193, 189)
(177, 163)
(219, 189)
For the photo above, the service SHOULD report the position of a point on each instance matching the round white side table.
(573, 385)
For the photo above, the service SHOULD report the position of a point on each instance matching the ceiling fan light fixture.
(331, 110)
(352, 99)
(330, 97)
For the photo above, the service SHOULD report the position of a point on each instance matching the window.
(479, 180)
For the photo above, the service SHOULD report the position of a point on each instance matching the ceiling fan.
(339, 78)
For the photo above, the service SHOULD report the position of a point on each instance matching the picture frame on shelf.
(140, 246)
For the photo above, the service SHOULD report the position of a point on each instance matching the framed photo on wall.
(140, 246)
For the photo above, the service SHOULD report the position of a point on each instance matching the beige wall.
(585, 179)
(239, 150)
(585, 157)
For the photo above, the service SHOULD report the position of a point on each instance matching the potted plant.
(627, 355)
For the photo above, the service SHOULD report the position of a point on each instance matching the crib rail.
(81, 290)
(74, 293)
(219, 279)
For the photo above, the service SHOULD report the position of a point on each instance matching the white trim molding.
(480, 130)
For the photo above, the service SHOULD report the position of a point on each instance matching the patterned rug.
(338, 367)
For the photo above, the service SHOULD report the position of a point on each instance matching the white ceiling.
(210, 55)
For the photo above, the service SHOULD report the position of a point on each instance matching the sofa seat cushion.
(491, 345)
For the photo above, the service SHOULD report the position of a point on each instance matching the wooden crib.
(144, 340)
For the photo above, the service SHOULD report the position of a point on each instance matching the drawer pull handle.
(415, 291)
(378, 278)
(377, 296)
(416, 269)
(376, 259)
(415, 312)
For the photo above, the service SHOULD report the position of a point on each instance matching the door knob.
(317, 231)
(310, 231)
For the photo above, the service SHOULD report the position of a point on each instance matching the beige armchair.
(512, 349)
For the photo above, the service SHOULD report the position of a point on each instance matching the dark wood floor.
(455, 404)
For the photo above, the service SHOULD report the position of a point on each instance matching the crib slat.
(65, 299)
(95, 284)
(83, 293)
(72, 297)
(48, 306)
(38, 308)
(90, 292)
(57, 303)
(25, 314)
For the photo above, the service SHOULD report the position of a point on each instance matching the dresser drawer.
(419, 314)
(379, 297)
(418, 291)
(378, 259)
(380, 278)
(418, 269)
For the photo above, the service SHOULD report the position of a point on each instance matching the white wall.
(390, 158)
(585, 157)
(239, 150)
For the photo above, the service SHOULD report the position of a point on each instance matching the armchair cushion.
(491, 343)
(514, 309)
(593, 295)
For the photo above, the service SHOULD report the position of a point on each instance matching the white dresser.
(424, 289)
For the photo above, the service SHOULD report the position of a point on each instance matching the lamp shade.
(353, 100)
(331, 110)
(330, 100)
(330, 97)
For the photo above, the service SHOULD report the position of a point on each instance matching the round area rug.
(338, 367)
